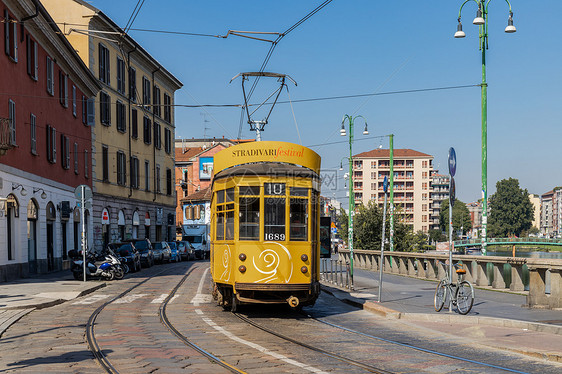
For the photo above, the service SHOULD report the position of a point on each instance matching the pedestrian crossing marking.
(91, 299)
(160, 299)
(202, 299)
(129, 298)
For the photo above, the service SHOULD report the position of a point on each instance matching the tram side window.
(225, 214)
(298, 219)
(249, 212)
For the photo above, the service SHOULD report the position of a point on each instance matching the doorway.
(32, 214)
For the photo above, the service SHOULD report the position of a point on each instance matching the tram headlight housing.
(304, 258)
(242, 257)
(304, 270)
(242, 268)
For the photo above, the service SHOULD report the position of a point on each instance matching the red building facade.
(45, 92)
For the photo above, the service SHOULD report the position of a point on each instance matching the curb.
(385, 312)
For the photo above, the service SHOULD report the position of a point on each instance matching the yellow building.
(132, 146)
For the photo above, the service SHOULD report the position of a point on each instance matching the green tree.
(511, 211)
(436, 236)
(461, 217)
(368, 226)
(419, 241)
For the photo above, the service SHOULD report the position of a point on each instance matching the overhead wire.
(274, 44)
(134, 15)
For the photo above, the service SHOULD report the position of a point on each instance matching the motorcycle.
(105, 266)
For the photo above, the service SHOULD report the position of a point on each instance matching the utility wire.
(133, 15)
(272, 48)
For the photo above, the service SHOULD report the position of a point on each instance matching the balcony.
(5, 143)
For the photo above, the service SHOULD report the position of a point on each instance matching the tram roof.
(267, 169)
(267, 152)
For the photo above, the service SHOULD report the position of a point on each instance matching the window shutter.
(36, 61)
(67, 150)
(49, 158)
(15, 41)
(91, 112)
(54, 145)
(28, 49)
(6, 33)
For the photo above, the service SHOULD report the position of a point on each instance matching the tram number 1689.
(275, 237)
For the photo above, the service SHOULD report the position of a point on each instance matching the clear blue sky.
(360, 47)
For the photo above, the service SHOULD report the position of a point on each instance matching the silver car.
(162, 252)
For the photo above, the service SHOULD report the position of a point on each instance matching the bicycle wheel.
(465, 297)
(440, 295)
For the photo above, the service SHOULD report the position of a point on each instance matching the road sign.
(87, 192)
(452, 191)
(385, 184)
(452, 162)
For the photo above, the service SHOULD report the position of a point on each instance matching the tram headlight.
(304, 270)
(304, 258)
(242, 257)
(242, 268)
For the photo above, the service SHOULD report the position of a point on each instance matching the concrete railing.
(544, 283)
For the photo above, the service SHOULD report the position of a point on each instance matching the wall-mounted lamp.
(16, 186)
(43, 195)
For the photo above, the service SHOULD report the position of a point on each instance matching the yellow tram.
(265, 221)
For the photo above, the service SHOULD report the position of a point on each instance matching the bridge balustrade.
(543, 286)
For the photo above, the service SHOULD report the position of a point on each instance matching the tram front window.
(297, 219)
(274, 218)
(249, 213)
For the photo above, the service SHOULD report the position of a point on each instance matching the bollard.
(340, 272)
(347, 274)
(331, 271)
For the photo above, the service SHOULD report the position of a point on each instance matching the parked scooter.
(105, 266)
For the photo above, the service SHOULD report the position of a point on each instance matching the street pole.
(351, 194)
(450, 249)
(391, 136)
(484, 89)
(83, 218)
(482, 21)
(351, 202)
(381, 262)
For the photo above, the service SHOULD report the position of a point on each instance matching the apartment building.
(412, 183)
(45, 142)
(536, 202)
(132, 140)
(439, 193)
(547, 216)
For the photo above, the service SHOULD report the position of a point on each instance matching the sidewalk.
(497, 319)
(19, 297)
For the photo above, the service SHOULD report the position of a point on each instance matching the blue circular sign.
(385, 184)
(452, 161)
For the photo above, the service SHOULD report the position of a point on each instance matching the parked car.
(130, 255)
(144, 246)
(162, 252)
(175, 254)
(186, 250)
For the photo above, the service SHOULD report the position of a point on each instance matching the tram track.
(406, 345)
(359, 364)
(106, 363)
(369, 368)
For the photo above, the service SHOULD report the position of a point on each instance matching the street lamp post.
(350, 120)
(481, 20)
